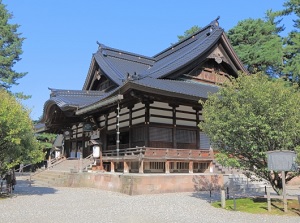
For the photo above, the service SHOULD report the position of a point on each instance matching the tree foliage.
(10, 49)
(261, 48)
(17, 141)
(258, 45)
(46, 140)
(250, 116)
(292, 42)
(189, 32)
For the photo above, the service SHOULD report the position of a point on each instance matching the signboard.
(88, 127)
(282, 160)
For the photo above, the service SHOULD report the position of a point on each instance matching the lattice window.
(185, 136)
(157, 165)
(160, 134)
(179, 165)
(200, 166)
(138, 134)
(204, 141)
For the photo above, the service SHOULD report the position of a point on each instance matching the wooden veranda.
(155, 160)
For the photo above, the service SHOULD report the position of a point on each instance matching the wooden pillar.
(130, 125)
(147, 120)
(83, 146)
(105, 129)
(126, 167)
(76, 143)
(284, 192)
(174, 126)
(191, 166)
(167, 165)
(198, 130)
(112, 167)
(141, 167)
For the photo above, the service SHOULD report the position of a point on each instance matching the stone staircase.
(51, 178)
(58, 174)
(238, 183)
(241, 184)
(218, 168)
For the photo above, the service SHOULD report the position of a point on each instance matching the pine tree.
(10, 49)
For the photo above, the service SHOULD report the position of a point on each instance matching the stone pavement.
(36, 203)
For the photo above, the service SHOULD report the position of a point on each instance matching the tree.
(251, 115)
(292, 42)
(17, 141)
(258, 45)
(189, 32)
(10, 49)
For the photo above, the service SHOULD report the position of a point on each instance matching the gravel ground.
(37, 203)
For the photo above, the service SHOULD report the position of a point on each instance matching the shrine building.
(143, 112)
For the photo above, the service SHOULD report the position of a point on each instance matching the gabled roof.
(131, 71)
(185, 51)
(69, 99)
(116, 64)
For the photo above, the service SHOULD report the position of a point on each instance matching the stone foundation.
(136, 184)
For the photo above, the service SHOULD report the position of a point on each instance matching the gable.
(113, 66)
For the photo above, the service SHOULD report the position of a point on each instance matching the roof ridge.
(177, 58)
(212, 24)
(103, 47)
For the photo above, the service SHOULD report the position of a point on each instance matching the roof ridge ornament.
(133, 77)
(101, 48)
(215, 22)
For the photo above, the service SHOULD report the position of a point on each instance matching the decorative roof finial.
(216, 21)
(99, 45)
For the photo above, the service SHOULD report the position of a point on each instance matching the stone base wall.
(136, 184)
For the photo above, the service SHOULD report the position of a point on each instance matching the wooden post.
(141, 168)
(269, 200)
(191, 166)
(284, 192)
(223, 203)
(167, 166)
(80, 163)
(112, 167)
(126, 168)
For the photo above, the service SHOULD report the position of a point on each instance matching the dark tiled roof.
(117, 64)
(188, 88)
(184, 55)
(74, 98)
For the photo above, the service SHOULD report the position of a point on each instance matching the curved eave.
(234, 58)
(173, 88)
(107, 68)
(89, 78)
(51, 105)
(185, 56)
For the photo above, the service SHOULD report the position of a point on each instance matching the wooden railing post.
(126, 168)
(191, 165)
(167, 166)
(112, 167)
(141, 167)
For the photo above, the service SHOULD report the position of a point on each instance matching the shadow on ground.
(27, 187)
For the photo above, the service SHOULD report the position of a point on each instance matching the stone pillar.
(141, 168)
(112, 167)
(126, 168)
(191, 167)
(167, 165)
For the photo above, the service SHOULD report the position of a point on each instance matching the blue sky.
(61, 35)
